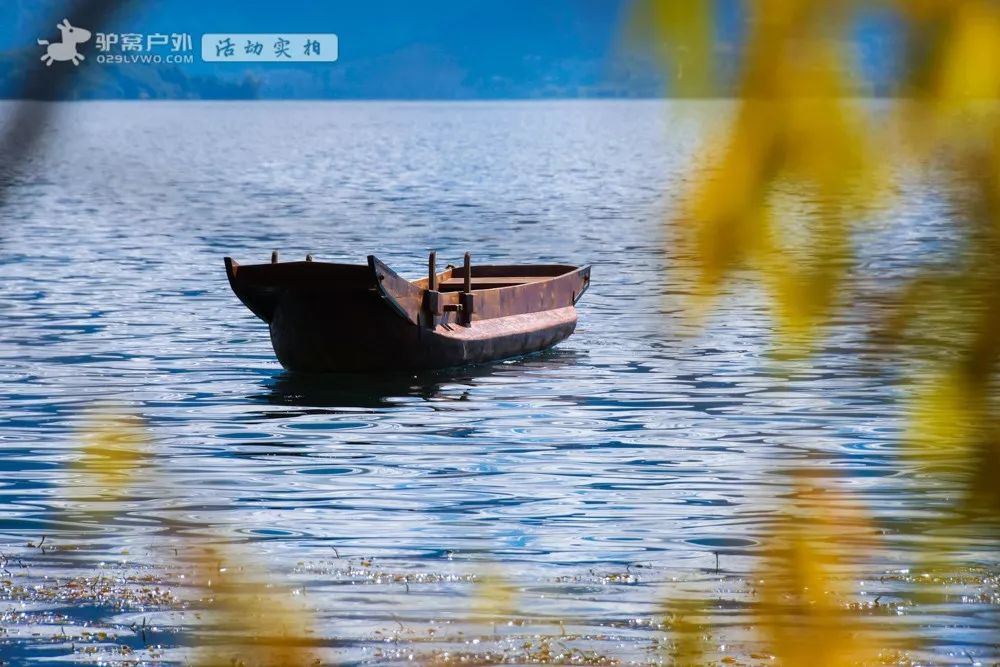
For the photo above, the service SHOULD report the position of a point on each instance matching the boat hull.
(354, 325)
(377, 339)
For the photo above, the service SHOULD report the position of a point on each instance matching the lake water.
(600, 478)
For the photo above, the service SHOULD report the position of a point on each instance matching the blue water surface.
(641, 458)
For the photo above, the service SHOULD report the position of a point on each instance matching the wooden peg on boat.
(468, 273)
(434, 299)
(467, 299)
(274, 257)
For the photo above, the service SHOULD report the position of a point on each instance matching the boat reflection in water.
(380, 390)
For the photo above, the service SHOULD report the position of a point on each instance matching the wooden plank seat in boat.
(488, 282)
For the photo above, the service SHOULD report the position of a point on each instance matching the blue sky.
(426, 49)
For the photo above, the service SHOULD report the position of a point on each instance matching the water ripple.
(628, 443)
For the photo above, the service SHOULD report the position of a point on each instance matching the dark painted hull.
(352, 324)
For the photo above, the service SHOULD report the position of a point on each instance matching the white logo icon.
(66, 49)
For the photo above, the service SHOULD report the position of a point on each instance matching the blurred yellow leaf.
(494, 598)
(945, 413)
(802, 607)
(792, 130)
(689, 640)
(251, 623)
(113, 449)
(688, 26)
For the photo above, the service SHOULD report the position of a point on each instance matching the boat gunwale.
(255, 272)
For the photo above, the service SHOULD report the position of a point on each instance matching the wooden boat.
(345, 318)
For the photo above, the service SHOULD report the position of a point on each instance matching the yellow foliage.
(955, 77)
(970, 67)
(251, 623)
(114, 447)
(494, 598)
(688, 27)
(802, 608)
(792, 128)
(954, 432)
(963, 63)
(796, 139)
(689, 638)
(945, 415)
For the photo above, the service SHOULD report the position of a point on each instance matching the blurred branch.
(32, 114)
